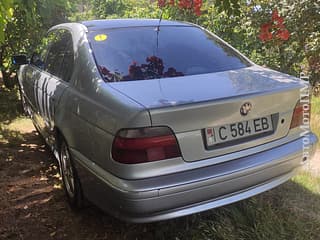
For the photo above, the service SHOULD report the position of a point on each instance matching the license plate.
(234, 131)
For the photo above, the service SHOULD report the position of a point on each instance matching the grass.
(12, 122)
(291, 211)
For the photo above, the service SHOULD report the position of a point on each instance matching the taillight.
(301, 114)
(143, 145)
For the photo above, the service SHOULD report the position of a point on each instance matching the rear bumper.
(193, 191)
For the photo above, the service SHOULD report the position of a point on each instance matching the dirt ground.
(33, 204)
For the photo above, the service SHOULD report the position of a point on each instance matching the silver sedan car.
(152, 120)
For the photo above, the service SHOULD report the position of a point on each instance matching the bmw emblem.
(245, 108)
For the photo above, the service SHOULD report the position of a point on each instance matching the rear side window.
(142, 53)
(60, 57)
(68, 61)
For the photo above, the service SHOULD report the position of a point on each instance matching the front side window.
(142, 53)
(40, 54)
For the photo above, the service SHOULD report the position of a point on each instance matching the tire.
(70, 178)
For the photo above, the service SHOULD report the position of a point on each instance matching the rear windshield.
(142, 53)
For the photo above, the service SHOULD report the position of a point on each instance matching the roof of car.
(122, 23)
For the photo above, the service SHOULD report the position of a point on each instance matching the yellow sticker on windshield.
(100, 37)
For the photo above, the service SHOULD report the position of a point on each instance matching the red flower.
(265, 36)
(185, 4)
(274, 29)
(190, 5)
(162, 3)
(194, 5)
(197, 12)
(275, 15)
(277, 19)
(197, 4)
(279, 23)
(265, 27)
(283, 34)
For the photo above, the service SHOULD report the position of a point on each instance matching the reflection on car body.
(151, 122)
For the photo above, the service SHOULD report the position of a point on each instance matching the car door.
(29, 83)
(59, 68)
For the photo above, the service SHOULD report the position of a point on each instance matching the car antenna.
(158, 29)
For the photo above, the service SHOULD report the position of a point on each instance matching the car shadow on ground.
(33, 204)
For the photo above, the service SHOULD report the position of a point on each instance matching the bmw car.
(152, 119)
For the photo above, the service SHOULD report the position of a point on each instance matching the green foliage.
(231, 7)
(236, 21)
(301, 52)
(6, 12)
(109, 8)
(303, 18)
(28, 22)
(239, 22)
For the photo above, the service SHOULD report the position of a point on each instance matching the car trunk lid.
(190, 105)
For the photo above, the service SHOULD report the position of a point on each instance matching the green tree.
(27, 24)
(239, 23)
(236, 21)
(6, 12)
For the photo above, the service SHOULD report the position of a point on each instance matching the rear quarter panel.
(90, 112)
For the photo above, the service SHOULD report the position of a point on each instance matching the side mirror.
(36, 60)
(20, 59)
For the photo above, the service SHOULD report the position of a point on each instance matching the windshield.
(142, 53)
